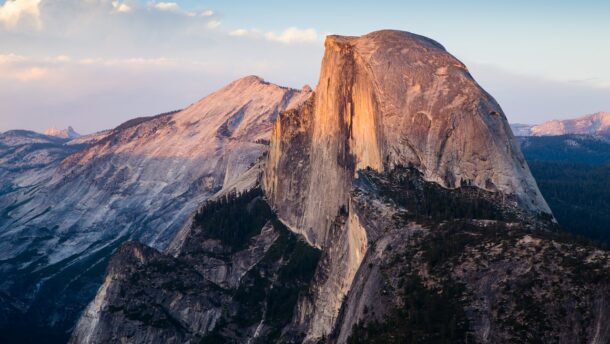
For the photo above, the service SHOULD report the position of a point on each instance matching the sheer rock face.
(385, 99)
(213, 288)
(139, 181)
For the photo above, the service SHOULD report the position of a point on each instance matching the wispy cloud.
(28, 68)
(245, 33)
(166, 6)
(293, 35)
(212, 24)
(288, 36)
(22, 68)
(136, 61)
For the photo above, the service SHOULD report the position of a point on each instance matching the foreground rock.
(466, 266)
(236, 277)
(441, 265)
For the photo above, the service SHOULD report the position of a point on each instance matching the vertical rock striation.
(386, 99)
(383, 100)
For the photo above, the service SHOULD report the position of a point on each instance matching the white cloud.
(13, 11)
(121, 7)
(288, 36)
(136, 61)
(206, 13)
(241, 32)
(293, 35)
(213, 24)
(88, 55)
(166, 6)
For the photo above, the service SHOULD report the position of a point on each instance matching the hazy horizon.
(94, 64)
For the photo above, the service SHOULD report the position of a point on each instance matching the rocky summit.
(386, 99)
(393, 206)
(67, 133)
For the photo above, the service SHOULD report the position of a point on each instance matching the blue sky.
(93, 64)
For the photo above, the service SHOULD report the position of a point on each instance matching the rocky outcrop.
(235, 278)
(491, 276)
(595, 124)
(386, 99)
(68, 133)
(139, 181)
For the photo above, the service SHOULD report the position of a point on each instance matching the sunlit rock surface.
(595, 124)
(68, 133)
(62, 217)
(386, 99)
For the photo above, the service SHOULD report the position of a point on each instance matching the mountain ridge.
(139, 181)
(594, 124)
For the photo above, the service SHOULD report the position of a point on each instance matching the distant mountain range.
(595, 124)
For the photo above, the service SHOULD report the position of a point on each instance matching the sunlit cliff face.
(383, 100)
(386, 99)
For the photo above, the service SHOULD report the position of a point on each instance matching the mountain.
(595, 124)
(63, 217)
(385, 100)
(67, 133)
(393, 206)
